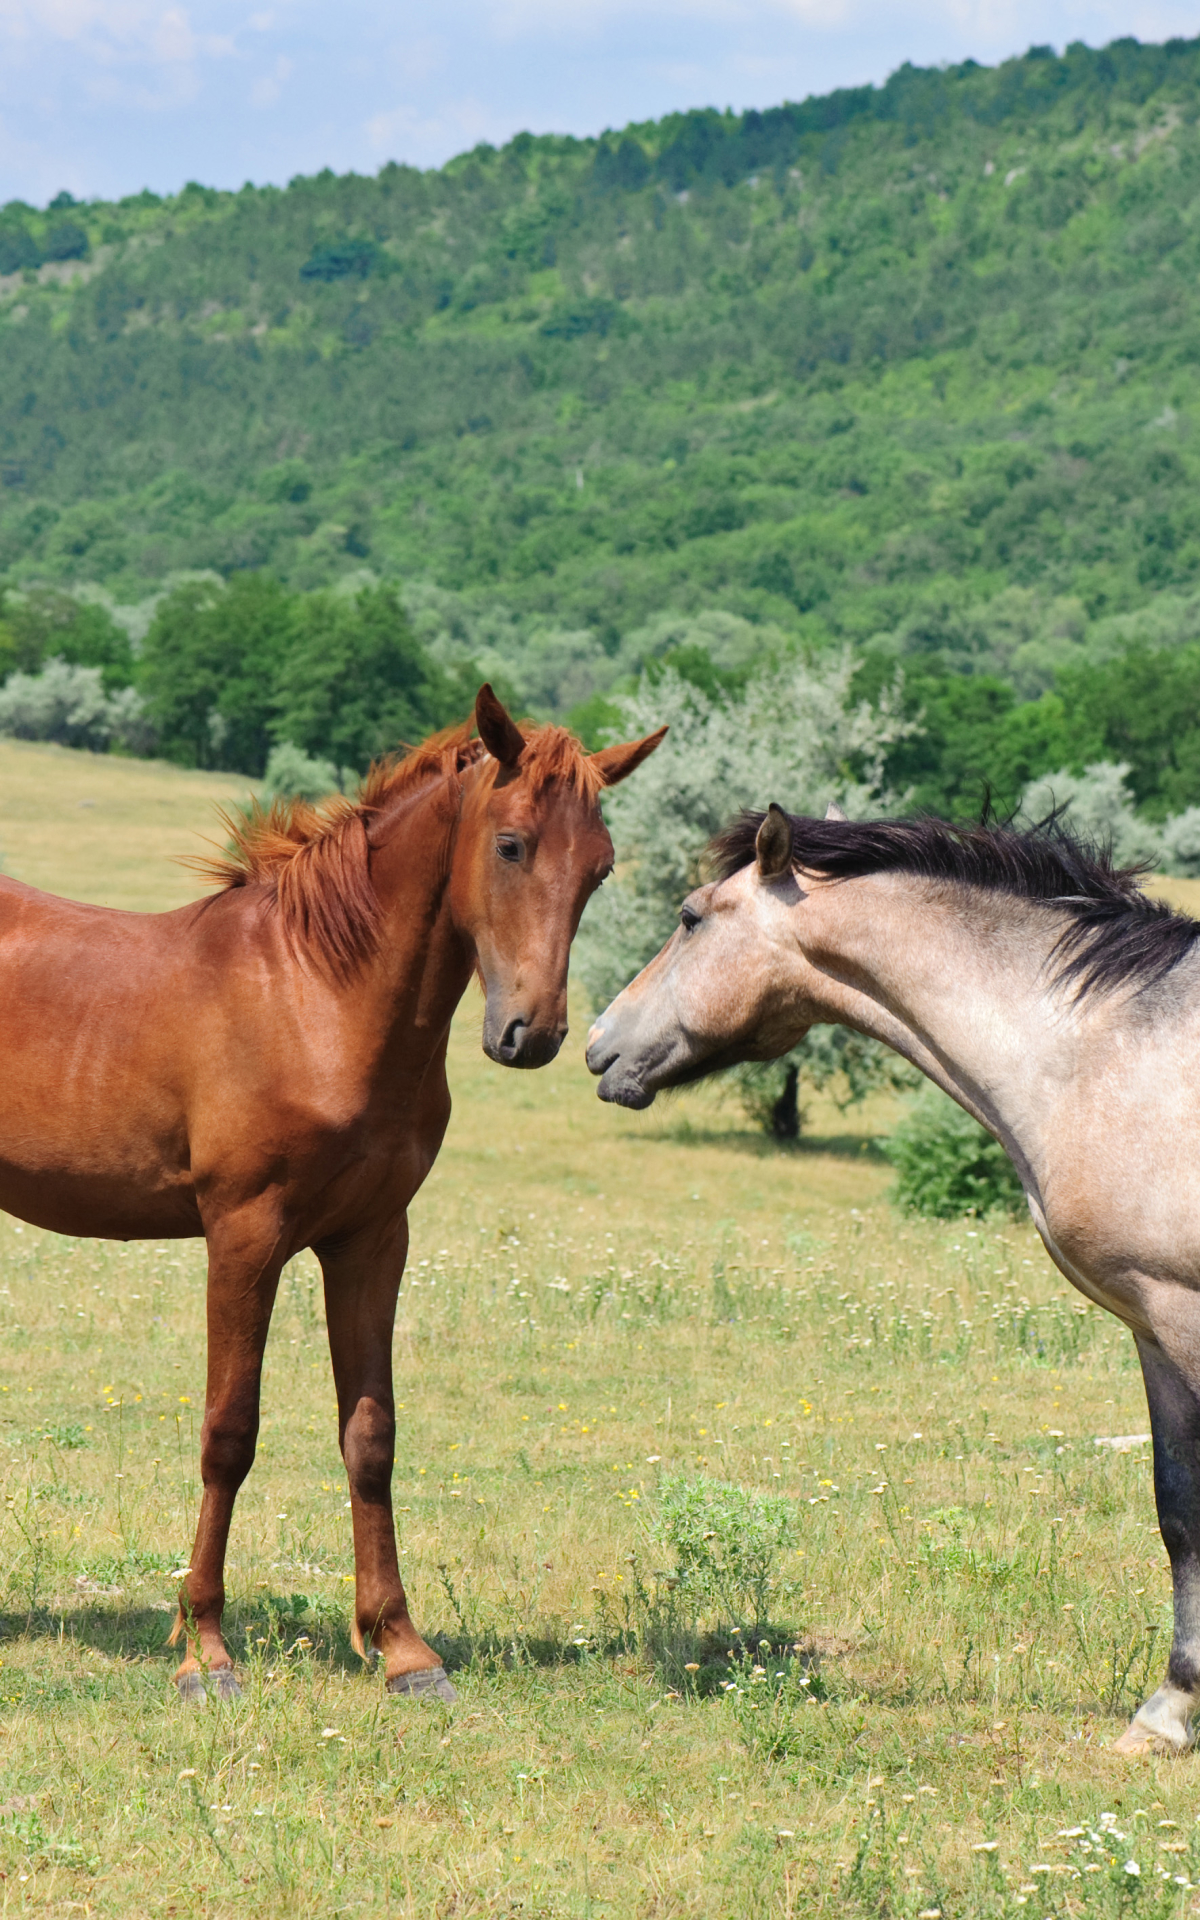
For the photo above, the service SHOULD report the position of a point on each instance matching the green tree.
(209, 667)
(1144, 711)
(44, 624)
(357, 682)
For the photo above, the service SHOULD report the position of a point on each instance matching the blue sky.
(104, 97)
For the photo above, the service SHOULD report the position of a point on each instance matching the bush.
(728, 1544)
(1098, 806)
(18, 249)
(947, 1165)
(1181, 844)
(292, 775)
(68, 704)
(66, 240)
(343, 260)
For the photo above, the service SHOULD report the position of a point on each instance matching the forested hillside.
(913, 367)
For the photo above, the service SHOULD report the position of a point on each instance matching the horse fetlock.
(1162, 1726)
(388, 1631)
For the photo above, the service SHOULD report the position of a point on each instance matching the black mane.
(1115, 936)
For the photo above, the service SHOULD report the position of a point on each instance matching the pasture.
(977, 1601)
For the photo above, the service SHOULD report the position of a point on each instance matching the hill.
(808, 360)
(914, 367)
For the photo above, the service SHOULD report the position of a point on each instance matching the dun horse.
(266, 1067)
(1046, 994)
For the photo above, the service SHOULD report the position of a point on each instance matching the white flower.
(1132, 1867)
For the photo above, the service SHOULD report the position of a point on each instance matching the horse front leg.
(362, 1281)
(1164, 1723)
(243, 1274)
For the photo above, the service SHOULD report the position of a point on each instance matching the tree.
(209, 667)
(357, 682)
(43, 624)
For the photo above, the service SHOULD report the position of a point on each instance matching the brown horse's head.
(531, 849)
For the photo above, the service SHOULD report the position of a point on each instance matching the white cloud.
(267, 91)
(459, 124)
(124, 28)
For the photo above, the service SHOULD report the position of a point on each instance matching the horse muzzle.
(617, 1083)
(519, 1042)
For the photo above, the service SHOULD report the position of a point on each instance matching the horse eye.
(508, 848)
(688, 918)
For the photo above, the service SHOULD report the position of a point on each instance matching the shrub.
(728, 1544)
(293, 775)
(343, 260)
(947, 1165)
(1181, 844)
(68, 704)
(1098, 806)
(66, 240)
(18, 249)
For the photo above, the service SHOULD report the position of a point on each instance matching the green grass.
(598, 1301)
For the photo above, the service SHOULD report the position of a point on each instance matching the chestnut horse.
(267, 1067)
(1045, 993)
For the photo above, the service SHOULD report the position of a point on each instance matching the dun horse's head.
(728, 985)
(532, 850)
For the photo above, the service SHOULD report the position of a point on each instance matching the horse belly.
(93, 1136)
(103, 1207)
(101, 1166)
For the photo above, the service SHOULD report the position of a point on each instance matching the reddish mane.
(313, 862)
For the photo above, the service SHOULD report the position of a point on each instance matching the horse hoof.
(196, 1687)
(1138, 1745)
(425, 1680)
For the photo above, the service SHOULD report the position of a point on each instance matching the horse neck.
(954, 980)
(422, 965)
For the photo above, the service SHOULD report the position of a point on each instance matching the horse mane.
(313, 861)
(1116, 936)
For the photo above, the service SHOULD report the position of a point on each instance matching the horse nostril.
(512, 1038)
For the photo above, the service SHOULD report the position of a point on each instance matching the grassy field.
(103, 829)
(974, 1599)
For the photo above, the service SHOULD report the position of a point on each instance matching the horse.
(267, 1068)
(1042, 990)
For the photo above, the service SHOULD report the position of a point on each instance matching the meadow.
(976, 1598)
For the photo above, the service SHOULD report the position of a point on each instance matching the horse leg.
(243, 1274)
(362, 1281)
(1164, 1723)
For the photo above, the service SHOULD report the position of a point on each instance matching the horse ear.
(502, 738)
(773, 844)
(834, 812)
(617, 763)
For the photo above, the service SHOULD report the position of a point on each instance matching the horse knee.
(227, 1446)
(368, 1448)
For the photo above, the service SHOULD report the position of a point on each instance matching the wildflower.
(1132, 1869)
